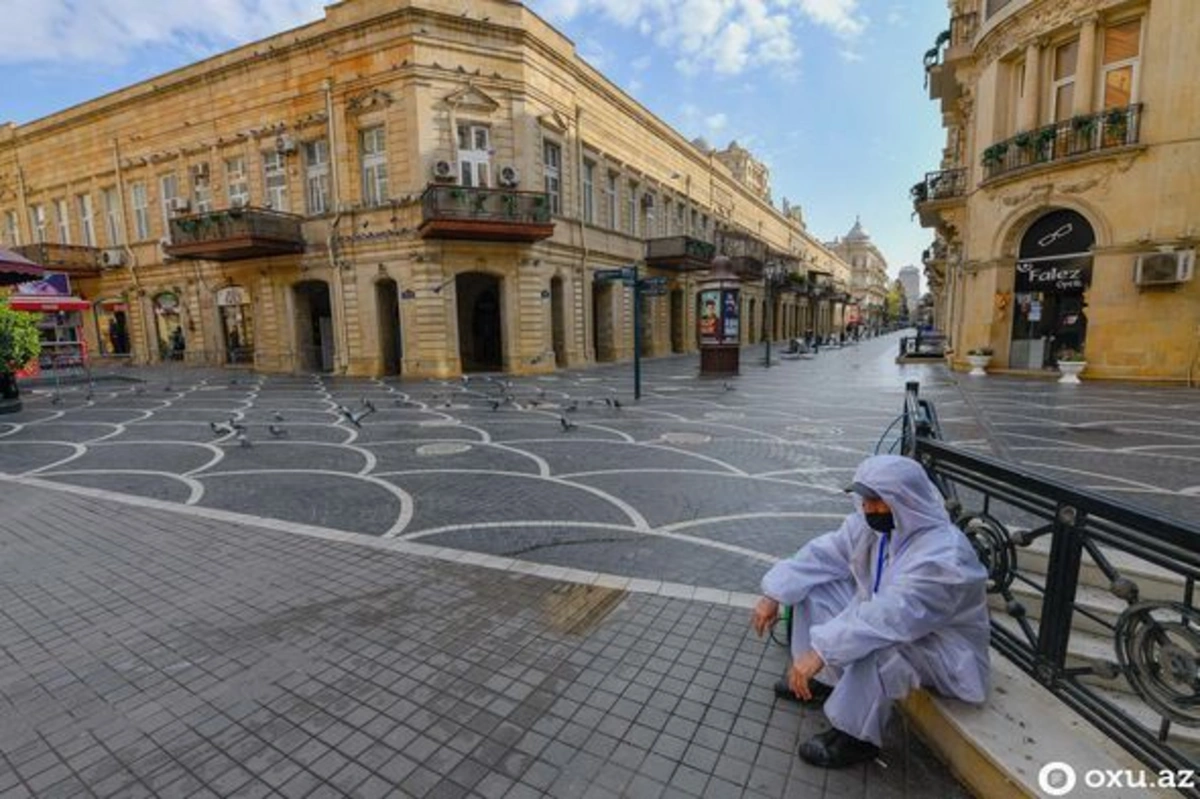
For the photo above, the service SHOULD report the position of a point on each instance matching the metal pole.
(637, 335)
(771, 320)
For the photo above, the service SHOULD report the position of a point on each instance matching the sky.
(828, 93)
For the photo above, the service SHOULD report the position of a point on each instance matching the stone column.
(1085, 67)
(1027, 112)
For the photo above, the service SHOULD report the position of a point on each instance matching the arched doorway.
(314, 326)
(1054, 269)
(237, 324)
(112, 327)
(558, 324)
(480, 322)
(168, 324)
(391, 345)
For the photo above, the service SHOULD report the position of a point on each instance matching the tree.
(19, 344)
(896, 309)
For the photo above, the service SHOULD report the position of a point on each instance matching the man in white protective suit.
(893, 600)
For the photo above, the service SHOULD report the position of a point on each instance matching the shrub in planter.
(982, 352)
(19, 344)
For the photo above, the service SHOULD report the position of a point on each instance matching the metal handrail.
(1088, 133)
(1004, 508)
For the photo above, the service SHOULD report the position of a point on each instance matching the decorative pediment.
(374, 100)
(472, 98)
(555, 122)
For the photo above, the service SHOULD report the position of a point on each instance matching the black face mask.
(881, 522)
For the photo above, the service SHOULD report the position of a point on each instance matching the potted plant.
(19, 344)
(979, 358)
(1116, 127)
(1045, 142)
(1084, 127)
(993, 156)
(1070, 363)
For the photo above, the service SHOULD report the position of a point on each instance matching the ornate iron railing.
(237, 223)
(944, 185)
(494, 205)
(1137, 571)
(1116, 127)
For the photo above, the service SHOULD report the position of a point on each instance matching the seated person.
(894, 600)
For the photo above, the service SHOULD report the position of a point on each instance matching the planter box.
(1070, 371)
(978, 364)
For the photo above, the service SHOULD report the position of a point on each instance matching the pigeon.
(55, 399)
(574, 406)
(368, 405)
(541, 392)
(730, 387)
(399, 403)
(355, 418)
(567, 424)
(277, 431)
(277, 416)
(236, 423)
(534, 403)
(495, 405)
(616, 403)
(242, 439)
(220, 428)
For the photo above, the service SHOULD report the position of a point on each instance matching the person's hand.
(803, 669)
(765, 614)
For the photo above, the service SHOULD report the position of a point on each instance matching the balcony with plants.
(679, 253)
(937, 191)
(485, 214)
(235, 234)
(1080, 137)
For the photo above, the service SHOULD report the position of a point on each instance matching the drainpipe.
(587, 328)
(331, 242)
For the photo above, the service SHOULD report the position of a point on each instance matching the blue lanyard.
(883, 542)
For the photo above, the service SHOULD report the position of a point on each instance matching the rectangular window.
(681, 218)
(1122, 50)
(87, 224)
(668, 217)
(1066, 59)
(62, 219)
(37, 223)
(316, 176)
(631, 210)
(695, 222)
(141, 213)
(12, 232)
(201, 189)
(236, 182)
(373, 153)
(552, 161)
(275, 180)
(475, 155)
(589, 192)
(112, 217)
(168, 186)
(610, 200)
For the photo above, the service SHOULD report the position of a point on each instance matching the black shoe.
(836, 749)
(820, 692)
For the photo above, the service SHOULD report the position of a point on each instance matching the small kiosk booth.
(719, 303)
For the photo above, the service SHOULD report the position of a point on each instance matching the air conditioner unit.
(509, 176)
(443, 170)
(1164, 268)
(178, 205)
(285, 144)
(112, 258)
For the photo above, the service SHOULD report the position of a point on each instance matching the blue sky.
(827, 92)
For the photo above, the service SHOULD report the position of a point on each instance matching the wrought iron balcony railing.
(679, 252)
(235, 234)
(1081, 135)
(747, 253)
(73, 260)
(944, 185)
(461, 212)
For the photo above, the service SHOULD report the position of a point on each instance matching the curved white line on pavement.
(406, 502)
(738, 517)
(54, 415)
(657, 533)
(676, 450)
(80, 451)
(195, 488)
(809, 470)
(16, 428)
(542, 464)
(639, 521)
(1104, 477)
(673, 416)
(486, 437)
(218, 456)
(742, 476)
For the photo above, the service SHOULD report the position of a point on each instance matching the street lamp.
(773, 274)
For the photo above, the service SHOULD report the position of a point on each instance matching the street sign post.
(650, 287)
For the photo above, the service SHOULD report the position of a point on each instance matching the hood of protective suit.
(901, 482)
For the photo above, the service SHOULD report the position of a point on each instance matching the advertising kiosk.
(718, 320)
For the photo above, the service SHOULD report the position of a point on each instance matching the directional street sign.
(654, 282)
(613, 274)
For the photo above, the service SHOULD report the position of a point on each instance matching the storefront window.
(112, 327)
(237, 324)
(169, 325)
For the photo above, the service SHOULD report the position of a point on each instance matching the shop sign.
(232, 296)
(1057, 276)
(54, 284)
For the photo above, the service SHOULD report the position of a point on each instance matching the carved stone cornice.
(1032, 24)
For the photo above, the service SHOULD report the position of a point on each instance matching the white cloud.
(715, 123)
(850, 55)
(73, 31)
(723, 36)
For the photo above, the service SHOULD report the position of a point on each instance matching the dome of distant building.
(857, 233)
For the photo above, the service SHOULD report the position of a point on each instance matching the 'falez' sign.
(1057, 276)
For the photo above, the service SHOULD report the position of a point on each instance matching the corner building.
(1066, 208)
(415, 187)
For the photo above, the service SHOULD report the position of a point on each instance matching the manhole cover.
(439, 423)
(815, 430)
(686, 438)
(443, 449)
(725, 415)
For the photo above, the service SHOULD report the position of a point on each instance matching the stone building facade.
(869, 283)
(1066, 208)
(400, 187)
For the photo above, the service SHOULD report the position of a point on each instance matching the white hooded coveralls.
(926, 624)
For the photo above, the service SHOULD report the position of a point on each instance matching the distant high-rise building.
(910, 278)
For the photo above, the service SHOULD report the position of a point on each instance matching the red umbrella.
(18, 269)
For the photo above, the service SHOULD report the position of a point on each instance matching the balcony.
(236, 234)
(1071, 139)
(459, 212)
(747, 254)
(937, 191)
(934, 253)
(681, 253)
(74, 261)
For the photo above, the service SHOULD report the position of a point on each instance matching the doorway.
(314, 326)
(391, 344)
(480, 322)
(603, 331)
(677, 321)
(558, 328)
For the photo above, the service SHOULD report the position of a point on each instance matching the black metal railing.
(1148, 564)
(490, 205)
(681, 247)
(934, 252)
(235, 224)
(1116, 127)
(944, 185)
